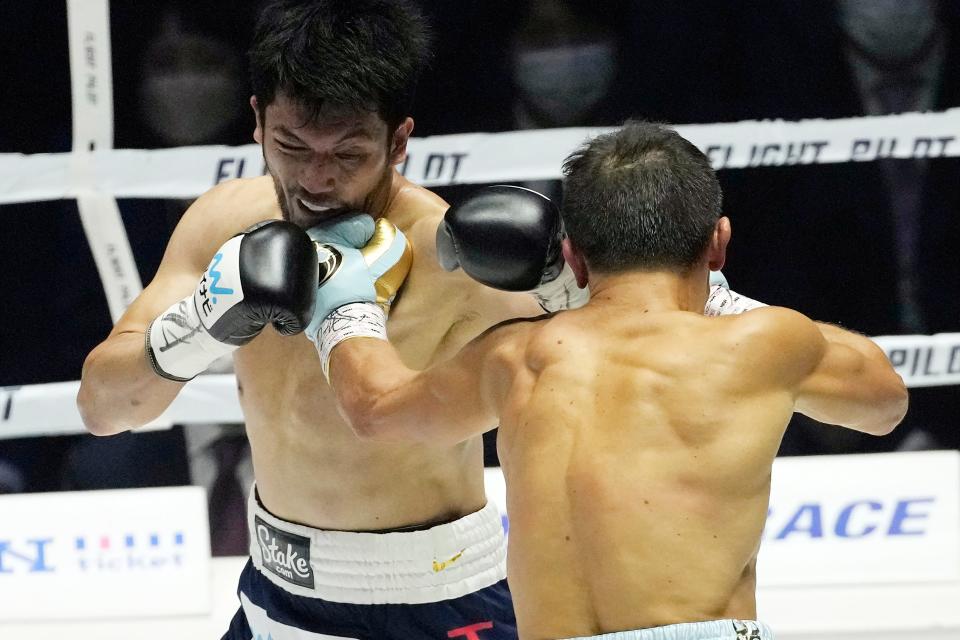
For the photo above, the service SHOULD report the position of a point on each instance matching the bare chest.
(310, 466)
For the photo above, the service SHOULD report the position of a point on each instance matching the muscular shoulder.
(566, 337)
(503, 349)
(418, 212)
(516, 332)
(218, 214)
(234, 205)
(776, 343)
(451, 304)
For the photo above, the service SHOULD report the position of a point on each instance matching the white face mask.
(890, 31)
(189, 107)
(563, 83)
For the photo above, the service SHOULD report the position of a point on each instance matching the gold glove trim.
(390, 282)
(387, 285)
(384, 233)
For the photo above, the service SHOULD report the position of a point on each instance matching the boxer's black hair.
(640, 197)
(355, 54)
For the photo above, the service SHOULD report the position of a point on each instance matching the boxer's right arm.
(853, 385)
(118, 388)
(125, 383)
(447, 403)
(836, 376)
(848, 382)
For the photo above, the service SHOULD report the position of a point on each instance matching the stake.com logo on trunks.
(285, 554)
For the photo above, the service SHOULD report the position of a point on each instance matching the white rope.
(92, 89)
(91, 76)
(49, 409)
(474, 158)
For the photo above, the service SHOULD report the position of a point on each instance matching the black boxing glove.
(267, 274)
(509, 238)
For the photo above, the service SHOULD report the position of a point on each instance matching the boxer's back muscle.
(639, 469)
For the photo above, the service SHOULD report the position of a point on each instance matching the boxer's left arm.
(383, 399)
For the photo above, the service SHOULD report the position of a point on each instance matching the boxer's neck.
(651, 290)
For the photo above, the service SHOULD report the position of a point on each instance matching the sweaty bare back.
(637, 451)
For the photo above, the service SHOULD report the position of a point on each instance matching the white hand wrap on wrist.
(354, 320)
(562, 292)
(178, 345)
(723, 302)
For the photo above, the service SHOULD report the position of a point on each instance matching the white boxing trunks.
(442, 581)
(711, 630)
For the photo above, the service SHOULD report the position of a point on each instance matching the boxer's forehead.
(285, 115)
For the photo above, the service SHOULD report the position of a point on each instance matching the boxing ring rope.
(95, 175)
(50, 409)
(91, 80)
(478, 158)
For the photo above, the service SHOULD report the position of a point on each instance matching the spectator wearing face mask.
(564, 63)
(896, 51)
(180, 80)
(193, 85)
(890, 223)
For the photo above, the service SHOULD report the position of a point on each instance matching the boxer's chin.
(308, 215)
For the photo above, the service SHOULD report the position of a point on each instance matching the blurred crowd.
(869, 245)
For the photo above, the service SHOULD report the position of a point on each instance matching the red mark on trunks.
(470, 631)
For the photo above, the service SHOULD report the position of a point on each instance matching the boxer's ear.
(578, 264)
(258, 131)
(398, 141)
(717, 250)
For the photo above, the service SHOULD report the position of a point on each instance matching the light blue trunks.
(712, 630)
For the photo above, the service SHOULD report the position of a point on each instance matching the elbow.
(368, 427)
(890, 408)
(97, 413)
(86, 406)
(359, 413)
(95, 421)
(898, 403)
(364, 429)
(373, 419)
(102, 428)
